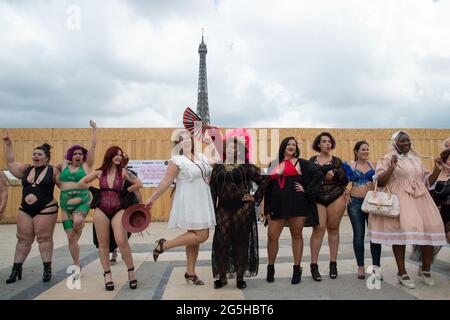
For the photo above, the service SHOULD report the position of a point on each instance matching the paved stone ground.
(164, 279)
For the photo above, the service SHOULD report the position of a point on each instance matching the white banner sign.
(150, 172)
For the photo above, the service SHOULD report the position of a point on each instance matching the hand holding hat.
(136, 218)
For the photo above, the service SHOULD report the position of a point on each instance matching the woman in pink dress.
(420, 222)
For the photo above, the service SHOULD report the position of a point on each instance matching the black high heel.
(194, 279)
(132, 283)
(220, 283)
(156, 251)
(315, 272)
(296, 274)
(47, 275)
(109, 286)
(333, 270)
(270, 273)
(15, 273)
(241, 284)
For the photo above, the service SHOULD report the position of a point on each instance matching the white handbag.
(384, 204)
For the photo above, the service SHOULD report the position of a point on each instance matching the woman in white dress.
(192, 207)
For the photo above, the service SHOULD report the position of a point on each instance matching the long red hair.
(108, 157)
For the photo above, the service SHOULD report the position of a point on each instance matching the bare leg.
(318, 233)
(399, 253)
(102, 225)
(296, 228)
(78, 223)
(273, 234)
(335, 211)
(120, 235)
(191, 237)
(25, 237)
(191, 255)
(44, 227)
(427, 256)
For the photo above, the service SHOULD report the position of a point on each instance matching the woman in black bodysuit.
(330, 202)
(39, 209)
(235, 243)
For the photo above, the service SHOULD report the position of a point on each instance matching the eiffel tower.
(202, 98)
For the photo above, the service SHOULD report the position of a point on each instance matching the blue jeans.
(359, 220)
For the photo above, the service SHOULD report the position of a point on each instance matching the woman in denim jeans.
(360, 173)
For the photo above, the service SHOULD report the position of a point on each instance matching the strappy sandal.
(156, 251)
(132, 283)
(194, 279)
(109, 286)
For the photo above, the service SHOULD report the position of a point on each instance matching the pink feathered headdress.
(245, 133)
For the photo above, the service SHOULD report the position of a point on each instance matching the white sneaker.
(377, 272)
(426, 277)
(406, 281)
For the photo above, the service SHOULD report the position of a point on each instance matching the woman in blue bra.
(360, 172)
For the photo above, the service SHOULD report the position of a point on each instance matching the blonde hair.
(446, 143)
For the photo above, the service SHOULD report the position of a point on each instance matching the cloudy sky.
(347, 63)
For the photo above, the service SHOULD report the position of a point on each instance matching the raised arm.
(91, 151)
(171, 174)
(17, 169)
(385, 169)
(3, 192)
(84, 183)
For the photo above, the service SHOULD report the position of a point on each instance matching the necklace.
(243, 176)
(203, 168)
(323, 163)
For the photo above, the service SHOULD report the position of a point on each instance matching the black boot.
(333, 270)
(241, 284)
(15, 273)
(315, 272)
(270, 273)
(296, 274)
(47, 275)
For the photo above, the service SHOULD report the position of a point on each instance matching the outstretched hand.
(149, 204)
(93, 124)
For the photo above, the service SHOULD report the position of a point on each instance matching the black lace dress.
(235, 243)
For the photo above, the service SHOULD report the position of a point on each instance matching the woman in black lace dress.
(235, 244)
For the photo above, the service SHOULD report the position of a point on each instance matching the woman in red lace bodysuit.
(109, 210)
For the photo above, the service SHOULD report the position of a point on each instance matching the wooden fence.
(155, 143)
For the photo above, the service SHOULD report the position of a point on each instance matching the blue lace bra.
(356, 176)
